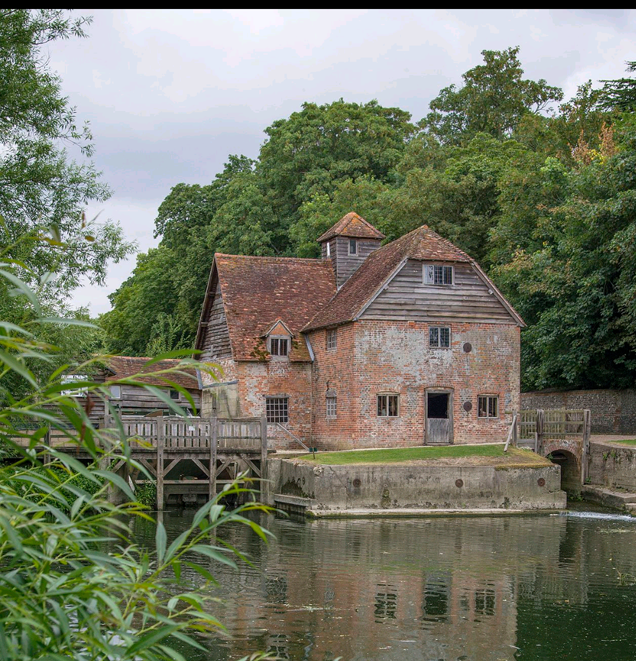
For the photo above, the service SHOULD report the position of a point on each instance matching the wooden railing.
(193, 433)
(538, 426)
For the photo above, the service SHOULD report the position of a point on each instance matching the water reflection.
(455, 588)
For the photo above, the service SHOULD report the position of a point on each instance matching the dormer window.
(279, 346)
(353, 247)
(438, 275)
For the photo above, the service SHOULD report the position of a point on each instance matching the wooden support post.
(264, 484)
(160, 475)
(540, 421)
(213, 448)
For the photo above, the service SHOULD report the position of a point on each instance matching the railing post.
(540, 421)
(160, 442)
(264, 489)
(213, 449)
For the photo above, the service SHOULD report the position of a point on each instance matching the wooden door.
(439, 419)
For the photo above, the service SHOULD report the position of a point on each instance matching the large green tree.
(43, 192)
(493, 99)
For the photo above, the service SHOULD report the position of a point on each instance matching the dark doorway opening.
(438, 404)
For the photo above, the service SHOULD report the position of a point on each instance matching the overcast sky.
(169, 94)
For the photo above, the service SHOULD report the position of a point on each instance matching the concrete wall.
(368, 486)
(394, 356)
(613, 411)
(612, 466)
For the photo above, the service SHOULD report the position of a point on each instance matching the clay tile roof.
(258, 291)
(354, 226)
(126, 366)
(421, 244)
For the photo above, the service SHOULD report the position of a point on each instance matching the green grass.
(396, 455)
(629, 441)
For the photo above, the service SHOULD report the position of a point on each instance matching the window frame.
(445, 269)
(174, 392)
(387, 408)
(354, 243)
(328, 248)
(331, 339)
(439, 337)
(331, 407)
(489, 399)
(271, 410)
(112, 394)
(278, 339)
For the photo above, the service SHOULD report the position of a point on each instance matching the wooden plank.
(160, 473)
(263, 434)
(203, 469)
(212, 474)
(170, 466)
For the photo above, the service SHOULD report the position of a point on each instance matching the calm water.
(544, 587)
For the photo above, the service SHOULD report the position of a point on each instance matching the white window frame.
(489, 399)
(115, 392)
(353, 242)
(436, 274)
(331, 339)
(439, 337)
(328, 249)
(270, 346)
(387, 407)
(271, 410)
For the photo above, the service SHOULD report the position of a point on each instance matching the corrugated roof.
(127, 366)
(258, 291)
(354, 226)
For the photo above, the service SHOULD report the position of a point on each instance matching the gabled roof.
(353, 226)
(379, 268)
(259, 291)
(122, 367)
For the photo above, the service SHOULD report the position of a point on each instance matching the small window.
(388, 406)
(115, 392)
(439, 337)
(332, 406)
(279, 346)
(276, 409)
(488, 406)
(328, 249)
(353, 247)
(438, 275)
(332, 339)
(174, 394)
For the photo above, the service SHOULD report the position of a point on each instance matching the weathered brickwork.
(394, 357)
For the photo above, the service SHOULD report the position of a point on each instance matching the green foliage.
(73, 585)
(542, 198)
(146, 494)
(621, 93)
(493, 100)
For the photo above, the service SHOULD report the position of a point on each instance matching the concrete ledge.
(423, 513)
(294, 501)
(609, 498)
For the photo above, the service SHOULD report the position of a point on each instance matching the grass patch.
(399, 455)
(629, 441)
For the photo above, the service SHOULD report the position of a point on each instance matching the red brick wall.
(376, 356)
(278, 378)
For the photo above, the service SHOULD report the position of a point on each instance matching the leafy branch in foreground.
(72, 584)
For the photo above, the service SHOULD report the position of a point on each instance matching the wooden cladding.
(407, 298)
(216, 339)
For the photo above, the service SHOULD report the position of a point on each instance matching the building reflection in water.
(447, 588)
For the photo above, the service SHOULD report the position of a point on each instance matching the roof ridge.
(316, 260)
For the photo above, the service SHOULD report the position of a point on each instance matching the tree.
(620, 94)
(493, 100)
(42, 191)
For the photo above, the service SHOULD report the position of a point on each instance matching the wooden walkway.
(218, 450)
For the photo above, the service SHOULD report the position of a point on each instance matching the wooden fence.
(538, 426)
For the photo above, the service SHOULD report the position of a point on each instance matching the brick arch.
(567, 454)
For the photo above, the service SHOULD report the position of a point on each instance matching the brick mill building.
(371, 346)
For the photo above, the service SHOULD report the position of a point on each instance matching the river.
(474, 588)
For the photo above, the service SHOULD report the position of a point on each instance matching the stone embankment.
(414, 487)
(611, 475)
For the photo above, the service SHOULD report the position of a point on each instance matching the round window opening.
(468, 406)
(468, 347)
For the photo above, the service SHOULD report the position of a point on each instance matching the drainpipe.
(311, 390)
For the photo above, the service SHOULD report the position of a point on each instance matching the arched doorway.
(570, 471)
